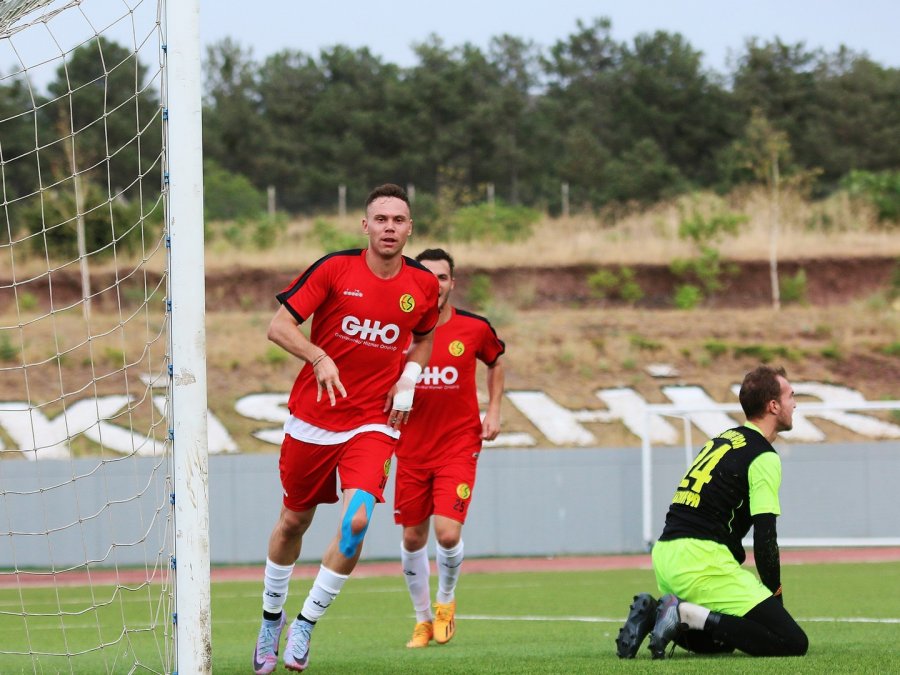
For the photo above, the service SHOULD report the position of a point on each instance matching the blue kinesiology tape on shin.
(350, 541)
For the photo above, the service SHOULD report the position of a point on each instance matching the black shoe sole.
(657, 651)
(639, 623)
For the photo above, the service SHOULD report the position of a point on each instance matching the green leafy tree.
(449, 99)
(881, 189)
(109, 226)
(664, 95)
(635, 122)
(765, 151)
(100, 139)
(642, 173)
(705, 270)
(107, 117)
(580, 88)
(856, 121)
(509, 113)
(615, 121)
(229, 196)
(494, 222)
(290, 84)
(233, 124)
(355, 111)
(334, 120)
(22, 119)
(779, 82)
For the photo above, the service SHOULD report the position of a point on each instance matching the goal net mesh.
(85, 462)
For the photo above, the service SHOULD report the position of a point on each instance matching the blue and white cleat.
(296, 652)
(265, 656)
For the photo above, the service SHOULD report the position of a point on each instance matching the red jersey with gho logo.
(364, 323)
(445, 415)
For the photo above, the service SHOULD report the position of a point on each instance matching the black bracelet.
(319, 358)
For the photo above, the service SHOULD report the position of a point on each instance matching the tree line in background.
(615, 122)
(89, 152)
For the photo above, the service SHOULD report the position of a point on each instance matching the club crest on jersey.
(463, 491)
(407, 302)
(387, 467)
(456, 348)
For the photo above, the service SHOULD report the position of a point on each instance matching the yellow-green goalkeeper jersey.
(735, 476)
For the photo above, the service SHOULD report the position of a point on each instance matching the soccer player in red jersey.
(352, 395)
(438, 452)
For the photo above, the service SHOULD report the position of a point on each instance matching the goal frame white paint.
(184, 148)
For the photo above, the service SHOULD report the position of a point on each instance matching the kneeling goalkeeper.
(710, 604)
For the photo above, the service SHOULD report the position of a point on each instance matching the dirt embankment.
(746, 284)
(561, 338)
(830, 281)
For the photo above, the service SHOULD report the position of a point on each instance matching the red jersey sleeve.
(492, 347)
(309, 290)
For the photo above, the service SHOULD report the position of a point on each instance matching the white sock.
(275, 586)
(415, 571)
(693, 615)
(449, 562)
(323, 592)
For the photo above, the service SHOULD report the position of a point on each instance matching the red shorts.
(445, 490)
(308, 475)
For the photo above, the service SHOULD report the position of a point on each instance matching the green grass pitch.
(547, 622)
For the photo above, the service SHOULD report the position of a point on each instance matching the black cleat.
(667, 627)
(639, 622)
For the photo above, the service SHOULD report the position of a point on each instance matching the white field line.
(92, 626)
(603, 619)
(573, 619)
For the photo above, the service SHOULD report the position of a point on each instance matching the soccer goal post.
(104, 516)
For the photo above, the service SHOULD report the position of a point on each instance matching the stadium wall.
(536, 502)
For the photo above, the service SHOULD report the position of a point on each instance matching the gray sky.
(714, 27)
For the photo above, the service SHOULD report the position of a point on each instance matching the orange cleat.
(422, 635)
(444, 621)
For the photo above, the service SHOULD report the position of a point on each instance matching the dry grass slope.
(568, 349)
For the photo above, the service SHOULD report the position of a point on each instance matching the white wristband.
(406, 386)
(412, 370)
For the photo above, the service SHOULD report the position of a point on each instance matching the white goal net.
(89, 341)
